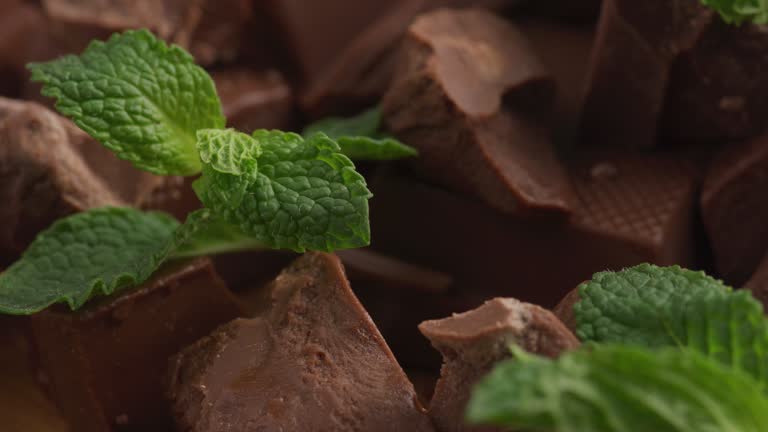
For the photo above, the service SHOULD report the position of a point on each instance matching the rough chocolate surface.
(636, 44)
(106, 363)
(466, 95)
(314, 362)
(473, 341)
(50, 169)
(734, 209)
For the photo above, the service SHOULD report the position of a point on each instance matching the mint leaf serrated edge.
(622, 389)
(139, 97)
(655, 306)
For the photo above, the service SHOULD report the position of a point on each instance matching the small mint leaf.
(740, 11)
(306, 195)
(669, 306)
(84, 255)
(620, 389)
(139, 97)
(229, 167)
(204, 234)
(360, 138)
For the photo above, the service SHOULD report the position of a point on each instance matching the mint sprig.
(139, 97)
(740, 11)
(619, 389)
(360, 137)
(289, 192)
(655, 306)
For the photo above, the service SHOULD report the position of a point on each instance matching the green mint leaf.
(85, 255)
(619, 389)
(739, 11)
(305, 193)
(229, 166)
(360, 138)
(659, 306)
(139, 97)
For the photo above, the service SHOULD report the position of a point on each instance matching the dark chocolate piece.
(564, 309)
(758, 283)
(629, 210)
(718, 89)
(106, 363)
(50, 169)
(255, 99)
(467, 82)
(366, 266)
(637, 42)
(211, 30)
(472, 342)
(734, 209)
(315, 361)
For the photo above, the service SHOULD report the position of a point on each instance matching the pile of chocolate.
(556, 139)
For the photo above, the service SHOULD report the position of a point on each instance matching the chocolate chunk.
(460, 96)
(211, 30)
(315, 361)
(636, 45)
(50, 169)
(255, 99)
(717, 90)
(472, 342)
(758, 283)
(106, 362)
(564, 309)
(369, 267)
(629, 210)
(734, 209)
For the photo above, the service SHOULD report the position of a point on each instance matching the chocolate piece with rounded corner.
(472, 342)
(564, 309)
(254, 99)
(468, 95)
(314, 361)
(636, 44)
(106, 363)
(734, 209)
(50, 169)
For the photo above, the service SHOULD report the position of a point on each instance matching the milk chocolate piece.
(255, 99)
(758, 283)
(211, 30)
(315, 361)
(466, 81)
(629, 210)
(50, 169)
(564, 309)
(734, 209)
(472, 342)
(106, 363)
(717, 90)
(636, 45)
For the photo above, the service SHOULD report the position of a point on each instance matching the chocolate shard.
(254, 99)
(717, 90)
(629, 210)
(758, 283)
(211, 30)
(636, 44)
(50, 169)
(734, 209)
(463, 97)
(472, 342)
(315, 361)
(106, 363)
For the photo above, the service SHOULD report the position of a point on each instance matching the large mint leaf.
(306, 195)
(360, 137)
(87, 254)
(619, 389)
(659, 306)
(139, 97)
(739, 11)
